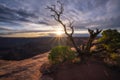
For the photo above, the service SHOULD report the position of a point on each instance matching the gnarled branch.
(57, 13)
(93, 35)
(57, 16)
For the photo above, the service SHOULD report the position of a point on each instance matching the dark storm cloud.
(85, 13)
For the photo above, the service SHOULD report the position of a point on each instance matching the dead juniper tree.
(93, 34)
(57, 14)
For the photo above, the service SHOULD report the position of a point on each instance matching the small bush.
(113, 59)
(110, 40)
(61, 54)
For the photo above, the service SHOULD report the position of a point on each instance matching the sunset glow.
(25, 18)
(59, 33)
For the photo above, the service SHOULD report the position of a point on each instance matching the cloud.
(1, 28)
(31, 14)
(10, 14)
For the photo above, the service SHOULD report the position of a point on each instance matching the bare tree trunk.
(89, 44)
(74, 44)
(57, 13)
(93, 35)
(57, 16)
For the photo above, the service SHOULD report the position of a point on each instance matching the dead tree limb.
(93, 34)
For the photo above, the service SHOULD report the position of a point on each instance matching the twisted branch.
(57, 16)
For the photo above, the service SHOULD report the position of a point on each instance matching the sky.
(30, 18)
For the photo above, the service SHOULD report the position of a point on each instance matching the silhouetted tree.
(93, 34)
(57, 16)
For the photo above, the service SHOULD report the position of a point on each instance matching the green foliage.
(61, 54)
(115, 57)
(111, 43)
(110, 39)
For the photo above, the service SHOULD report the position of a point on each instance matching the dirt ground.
(92, 70)
(29, 70)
